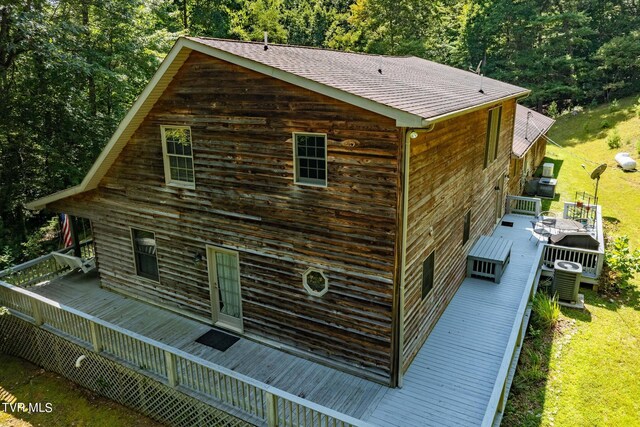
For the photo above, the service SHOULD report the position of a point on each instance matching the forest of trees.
(70, 69)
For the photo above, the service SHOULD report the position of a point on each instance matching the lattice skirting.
(108, 378)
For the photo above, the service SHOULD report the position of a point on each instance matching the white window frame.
(135, 260)
(308, 288)
(296, 178)
(167, 165)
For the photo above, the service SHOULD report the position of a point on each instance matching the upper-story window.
(493, 135)
(178, 156)
(310, 152)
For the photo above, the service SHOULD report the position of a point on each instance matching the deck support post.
(96, 339)
(36, 313)
(172, 376)
(74, 236)
(272, 410)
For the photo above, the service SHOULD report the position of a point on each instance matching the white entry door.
(224, 283)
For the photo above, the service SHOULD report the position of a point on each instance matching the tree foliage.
(70, 69)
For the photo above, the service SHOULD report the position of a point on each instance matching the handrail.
(591, 260)
(274, 415)
(51, 268)
(524, 205)
(503, 372)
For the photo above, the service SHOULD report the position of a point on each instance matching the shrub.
(638, 148)
(621, 262)
(614, 106)
(613, 140)
(605, 124)
(552, 111)
(546, 310)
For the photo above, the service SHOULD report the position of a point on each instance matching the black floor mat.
(218, 340)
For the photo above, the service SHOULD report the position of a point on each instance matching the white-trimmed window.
(145, 254)
(178, 156)
(493, 135)
(315, 282)
(310, 154)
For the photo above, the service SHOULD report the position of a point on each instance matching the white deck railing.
(524, 205)
(500, 392)
(258, 402)
(43, 268)
(591, 260)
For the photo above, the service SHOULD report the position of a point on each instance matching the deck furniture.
(488, 258)
(548, 219)
(74, 262)
(566, 225)
(540, 229)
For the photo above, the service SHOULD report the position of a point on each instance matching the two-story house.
(316, 200)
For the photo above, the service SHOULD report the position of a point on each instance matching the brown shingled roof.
(413, 91)
(413, 85)
(525, 135)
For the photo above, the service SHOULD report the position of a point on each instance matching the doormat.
(507, 224)
(218, 340)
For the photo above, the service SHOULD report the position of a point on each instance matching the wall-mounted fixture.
(198, 260)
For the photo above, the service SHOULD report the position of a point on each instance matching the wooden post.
(172, 376)
(73, 222)
(37, 314)
(272, 410)
(96, 339)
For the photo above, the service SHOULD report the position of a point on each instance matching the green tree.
(620, 64)
(257, 16)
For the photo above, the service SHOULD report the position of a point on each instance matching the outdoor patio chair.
(540, 229)
(548, 219)
(74, 262)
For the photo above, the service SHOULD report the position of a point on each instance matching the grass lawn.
(586, 370)
(72, 405)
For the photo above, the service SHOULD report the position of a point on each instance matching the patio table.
(564, 225)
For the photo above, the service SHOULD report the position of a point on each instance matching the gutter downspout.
(409, 134)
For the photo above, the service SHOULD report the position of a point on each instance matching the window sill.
(185, 185)
(310, 184)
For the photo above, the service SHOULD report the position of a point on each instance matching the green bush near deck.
(546, 310)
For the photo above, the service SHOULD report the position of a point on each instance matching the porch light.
(198, 260)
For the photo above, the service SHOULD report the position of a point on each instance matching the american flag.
(65, 227)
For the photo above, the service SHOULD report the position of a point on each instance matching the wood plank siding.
(446, 179)
(522, 169)
(245, 199)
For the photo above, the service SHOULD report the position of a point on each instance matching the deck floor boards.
(293, 374)
(451, 379)
(448, 384)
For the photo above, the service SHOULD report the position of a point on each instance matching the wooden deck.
(451, 382)
(329, 387)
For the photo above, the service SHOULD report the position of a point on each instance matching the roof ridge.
(196, 38)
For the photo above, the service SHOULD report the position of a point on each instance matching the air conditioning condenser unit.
(566, 280)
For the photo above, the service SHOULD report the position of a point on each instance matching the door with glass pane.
(224, 282)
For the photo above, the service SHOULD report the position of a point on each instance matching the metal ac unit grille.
(566, 280)
(566, 285)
